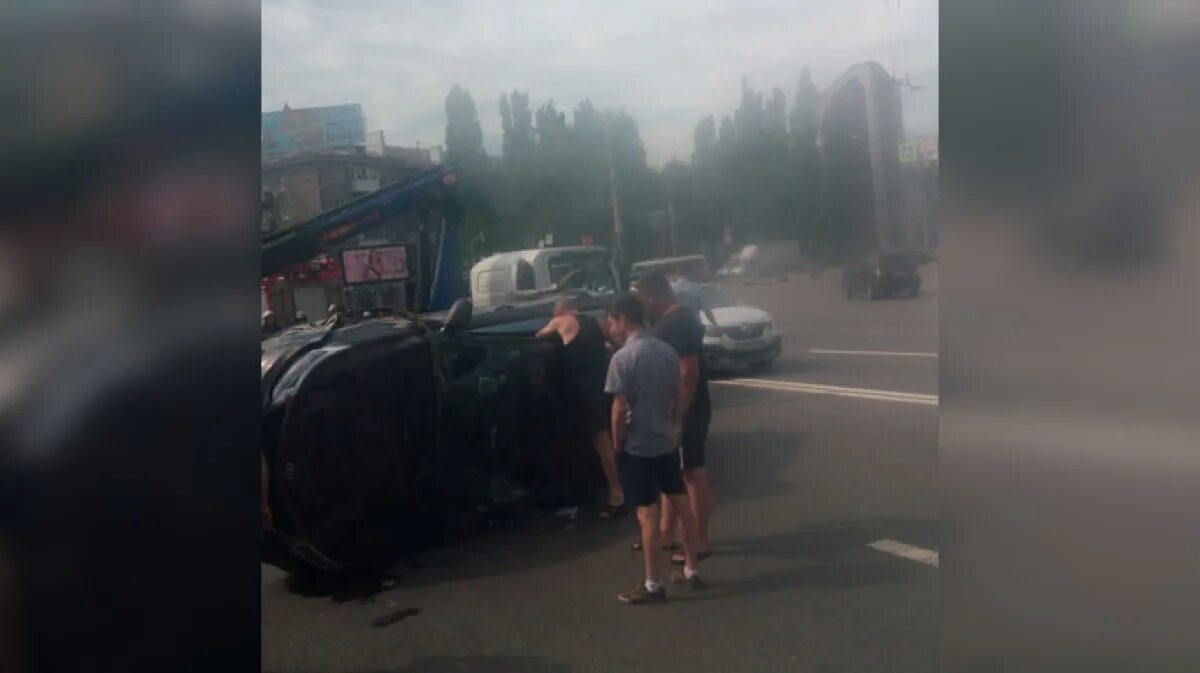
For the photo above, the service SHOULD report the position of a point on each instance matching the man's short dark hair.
(655, 285)
(630, 308)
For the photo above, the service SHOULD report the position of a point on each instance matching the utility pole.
(670, 220)
(618, 227)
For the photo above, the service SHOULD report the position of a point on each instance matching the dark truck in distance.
(880, 276)
(381, 436)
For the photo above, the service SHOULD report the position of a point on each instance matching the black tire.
(761, 367)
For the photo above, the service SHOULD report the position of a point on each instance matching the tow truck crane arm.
(430, 191)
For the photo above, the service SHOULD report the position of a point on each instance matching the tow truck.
(429, 196)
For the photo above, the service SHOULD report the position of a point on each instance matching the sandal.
(613, 511)
(679, 559)
(637, 546)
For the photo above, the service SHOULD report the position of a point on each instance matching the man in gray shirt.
(643, 378)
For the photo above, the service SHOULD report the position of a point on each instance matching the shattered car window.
(582, 273)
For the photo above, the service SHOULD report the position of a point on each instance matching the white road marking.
(908, 551)
(837, 391)
(900, 354)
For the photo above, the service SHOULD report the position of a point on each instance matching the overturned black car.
(381, 436)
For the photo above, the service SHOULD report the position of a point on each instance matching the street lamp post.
(618, 228)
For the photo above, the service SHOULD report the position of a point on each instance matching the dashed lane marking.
(899, 354)
(911, 552)
(837, 391)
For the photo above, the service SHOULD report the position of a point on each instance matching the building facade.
(299, 188)
(860, 132)
(291, 132)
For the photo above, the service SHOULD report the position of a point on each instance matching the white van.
(692, 267)
(524, 274)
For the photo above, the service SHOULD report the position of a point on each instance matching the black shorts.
(645, 479)
(695, 433)
(593, 412)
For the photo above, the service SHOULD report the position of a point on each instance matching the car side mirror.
(459, 316)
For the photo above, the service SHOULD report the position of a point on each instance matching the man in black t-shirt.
(584, 342)
(680, 327)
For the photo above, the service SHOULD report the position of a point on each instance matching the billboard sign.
(374, 264)
(927, 148)
(296, 130)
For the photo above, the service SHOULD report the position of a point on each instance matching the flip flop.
(613, 511)
(679, 559)
(637, 546)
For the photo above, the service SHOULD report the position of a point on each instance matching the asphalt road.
(806, 478)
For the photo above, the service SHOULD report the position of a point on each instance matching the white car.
(508, 277)
(735, 335)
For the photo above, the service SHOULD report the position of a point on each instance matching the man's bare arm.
(551, 327)
(620, 407)
(679, 404)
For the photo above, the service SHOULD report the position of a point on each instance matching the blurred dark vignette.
(1070, 439)
(127, 382)
(1068, 320)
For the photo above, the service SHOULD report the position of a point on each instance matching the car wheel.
(761, 367)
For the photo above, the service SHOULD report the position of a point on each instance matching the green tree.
(704, 142)
(464, 136)
(777, 205)
(514, 185)
(803, 122)
(749, 121)
(775, 121)
(727, 184)
(516, 126)
(726, 143)
(550, 177)
(691, 193)
(591, 207)
(628, 152)
(752, 172)
(746, 174)
(464, 151)
(555, 178)
(506, 124)
(554, 136)
(699, 193)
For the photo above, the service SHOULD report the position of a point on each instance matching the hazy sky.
(669, 62)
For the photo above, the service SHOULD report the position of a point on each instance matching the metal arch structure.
(884, 131)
